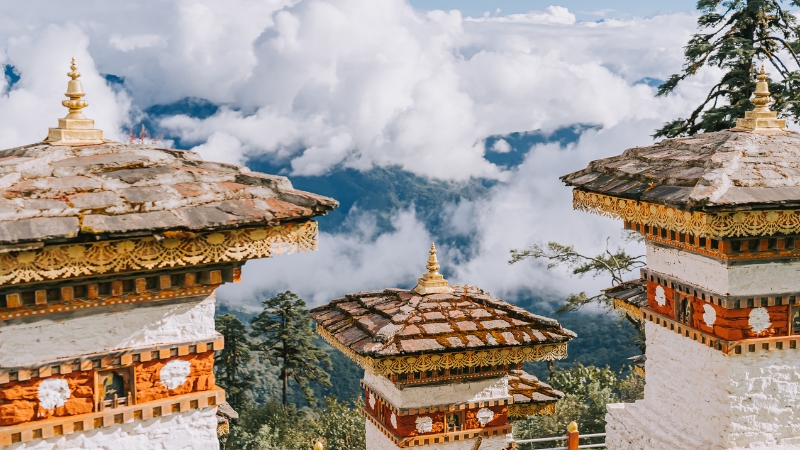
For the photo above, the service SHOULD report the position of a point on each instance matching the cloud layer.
(357, 83)
(325, 84)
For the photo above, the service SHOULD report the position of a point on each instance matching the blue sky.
(584, 10)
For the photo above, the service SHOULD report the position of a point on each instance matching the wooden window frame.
(99, 401)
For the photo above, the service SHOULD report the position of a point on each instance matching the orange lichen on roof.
(401, 322)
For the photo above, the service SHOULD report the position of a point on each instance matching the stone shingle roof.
(225, 411)
(718, 171)
(60, 193)
(401, 322)
(526, 388)
(633, 292)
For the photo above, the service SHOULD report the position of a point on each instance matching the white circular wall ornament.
(174, 373)
(709, 315)
(484, 416)
(424, 424)
(372, 401)
(661, 298)
(53, 392)
(759, 319)
(393, 419)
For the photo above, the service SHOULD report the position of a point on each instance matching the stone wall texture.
(192, 430)
(698, 398)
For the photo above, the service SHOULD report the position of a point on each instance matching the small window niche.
(114, 388)
(454, 421)
(795, 319)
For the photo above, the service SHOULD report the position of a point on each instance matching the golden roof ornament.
(761, 118)
(75, 128)
(432, 282)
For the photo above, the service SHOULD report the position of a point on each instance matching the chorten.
(110, 254)
(719, 213)
(442, 364)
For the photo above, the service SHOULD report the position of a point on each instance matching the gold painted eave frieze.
(630, 310)
(524, 410)
(452, 359)
(54, 262)
(702, 224)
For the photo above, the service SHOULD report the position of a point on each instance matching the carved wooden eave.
(54, 262)
(448, 360)
(712, 225)
(525, 410)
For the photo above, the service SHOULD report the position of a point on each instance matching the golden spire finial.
(761, 118)
(432, 282)
(433, 263)
(762, 99)
(74, 93)
(75, 128)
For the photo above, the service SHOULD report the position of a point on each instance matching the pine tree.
(284, 336)
(230, 361)
(736, 35)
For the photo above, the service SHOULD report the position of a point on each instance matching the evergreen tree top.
(734, 35)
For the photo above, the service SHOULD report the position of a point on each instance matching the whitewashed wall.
(192, 430)
(419, 396)
(698, 398)
(24, 344)
(714, 275)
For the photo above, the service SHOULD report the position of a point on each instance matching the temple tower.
(110, 254)
(442, 364)
(719, 214)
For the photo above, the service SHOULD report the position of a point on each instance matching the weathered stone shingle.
(432, 323)
(58, 193)
(717, 171)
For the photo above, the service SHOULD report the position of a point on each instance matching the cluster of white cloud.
(358, 83)
(552, 14)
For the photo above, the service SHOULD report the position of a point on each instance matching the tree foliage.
(616, 265)
(274, 426)
(588, 390)
(734, 35)
(340, 426)
(283, 335)
(230, 362)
